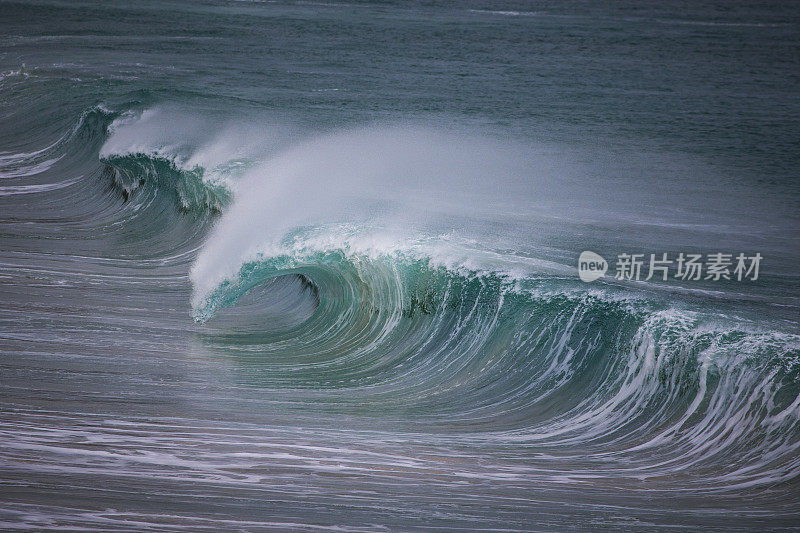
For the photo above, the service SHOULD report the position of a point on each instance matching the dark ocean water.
(310, 265)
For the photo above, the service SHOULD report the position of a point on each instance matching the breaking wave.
(411, 310)
(374, 264)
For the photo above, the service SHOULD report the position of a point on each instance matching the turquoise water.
(300, 265)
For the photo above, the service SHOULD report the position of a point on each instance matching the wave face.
(500, 346)
(272, 292)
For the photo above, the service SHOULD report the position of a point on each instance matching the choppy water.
(306, 265)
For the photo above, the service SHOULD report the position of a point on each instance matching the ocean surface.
(314, 265)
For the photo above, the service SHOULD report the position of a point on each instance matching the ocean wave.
(199, 159)
(76, 143)
(406, 310)
(537, 360)
(375, 296)
(189, 186)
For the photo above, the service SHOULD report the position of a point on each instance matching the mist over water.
(314, 266)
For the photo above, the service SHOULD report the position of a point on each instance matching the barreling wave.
(621, 375)
(506, 346)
